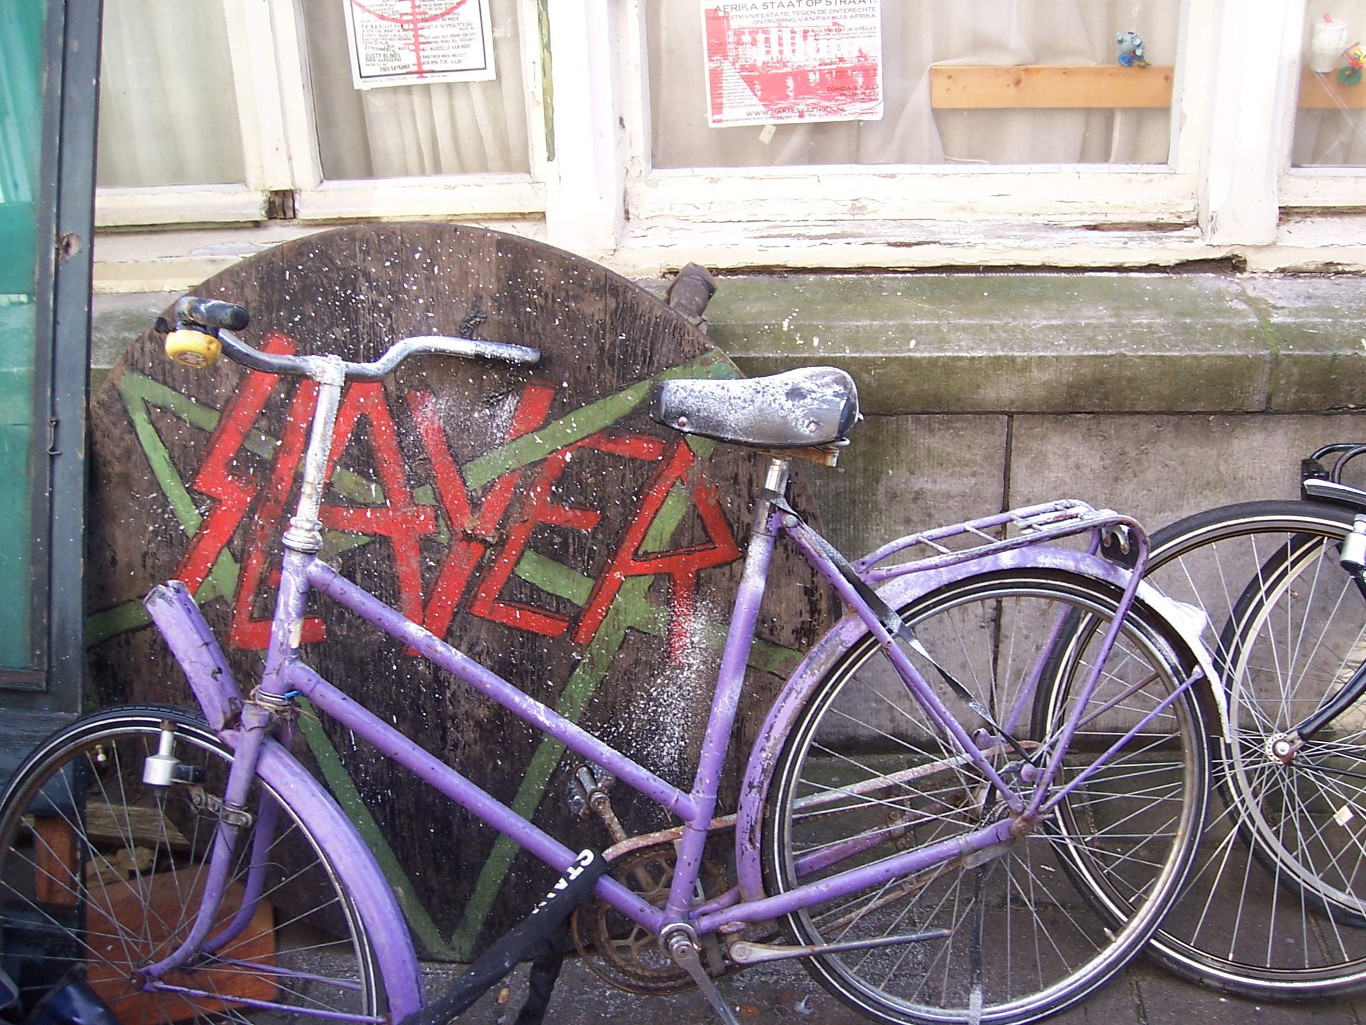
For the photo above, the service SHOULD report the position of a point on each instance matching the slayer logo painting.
(535, 518)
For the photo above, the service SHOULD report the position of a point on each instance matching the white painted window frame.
(1072, 194)
(1310, 188)
(256, 86)
(473, 195)
(592, 189)
(280, 151)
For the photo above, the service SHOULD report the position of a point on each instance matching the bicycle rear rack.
(1112, 533)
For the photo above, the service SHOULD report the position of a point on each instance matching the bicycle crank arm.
(681, 944)
(745, 953)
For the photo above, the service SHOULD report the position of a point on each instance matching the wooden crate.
(118, 909)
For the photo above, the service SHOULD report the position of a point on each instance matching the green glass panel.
(21, 117)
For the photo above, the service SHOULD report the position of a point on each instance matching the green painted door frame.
(49, 71)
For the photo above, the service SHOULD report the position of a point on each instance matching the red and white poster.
(413, 42)
(785, 61)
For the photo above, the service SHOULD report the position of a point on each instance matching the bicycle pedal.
(586, 796)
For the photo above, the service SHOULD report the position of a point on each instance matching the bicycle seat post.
(304, 537)
(305, 530)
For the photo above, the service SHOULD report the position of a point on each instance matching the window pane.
(985, 125)
(168, 112)
(411, 130)
(21, 118)
(1329, 129)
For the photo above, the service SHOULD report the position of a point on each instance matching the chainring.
(625, 954)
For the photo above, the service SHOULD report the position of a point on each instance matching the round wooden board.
(592, 562)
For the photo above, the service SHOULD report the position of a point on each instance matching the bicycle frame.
(247, 723)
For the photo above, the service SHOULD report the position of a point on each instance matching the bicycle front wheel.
(1024, 929)
(101, 873)
(1277, 901)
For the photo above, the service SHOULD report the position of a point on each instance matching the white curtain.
(168, 113)
(398, 131)
(1332, 137)
(915, 35)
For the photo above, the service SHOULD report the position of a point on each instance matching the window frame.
(1159, 194)
(592, 189)
(264, 162)
(1318, 188)
(280, 150)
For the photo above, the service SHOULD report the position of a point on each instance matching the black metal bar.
(62, 289)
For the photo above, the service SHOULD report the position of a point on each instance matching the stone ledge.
(1059, 342)
(1041, 342)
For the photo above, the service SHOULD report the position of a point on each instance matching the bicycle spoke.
(130, 867)
(1032, 923)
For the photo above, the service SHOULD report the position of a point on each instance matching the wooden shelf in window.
(984, 87)
(968, 87)
(1325, 92)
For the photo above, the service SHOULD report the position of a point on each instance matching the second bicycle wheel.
(1022, 930)
(1277, 902)
(100, 874)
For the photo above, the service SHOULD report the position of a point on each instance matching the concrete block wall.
(1155, 394)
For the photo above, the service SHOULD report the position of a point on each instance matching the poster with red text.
(785, 61)
(418, 42)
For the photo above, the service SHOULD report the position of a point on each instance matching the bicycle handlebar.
(218, 319)
(210, 313)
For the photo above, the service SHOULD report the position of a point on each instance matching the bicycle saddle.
(795, 409)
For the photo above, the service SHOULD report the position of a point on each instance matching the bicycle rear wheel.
(864, 774)
(101, 873)
(1277, 901)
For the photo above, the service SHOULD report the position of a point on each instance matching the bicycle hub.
(1283, 747)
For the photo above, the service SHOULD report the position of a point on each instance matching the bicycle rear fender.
(1185, 621)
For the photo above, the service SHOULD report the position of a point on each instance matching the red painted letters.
(485, 542)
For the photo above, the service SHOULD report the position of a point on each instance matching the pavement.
(782, 993)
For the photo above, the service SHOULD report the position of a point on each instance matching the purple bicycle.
(973, 801)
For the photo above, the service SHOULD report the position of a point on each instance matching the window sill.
(176, 259)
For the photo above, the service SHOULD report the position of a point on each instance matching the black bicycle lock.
(541, 932)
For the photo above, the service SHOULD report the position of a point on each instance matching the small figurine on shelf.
(1356, 62)
(1130, 49)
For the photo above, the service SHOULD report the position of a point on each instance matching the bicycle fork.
(264, 709)
(1285, 746)
(232, 816)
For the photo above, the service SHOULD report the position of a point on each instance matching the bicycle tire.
(1277, 900)
(1019, 948)
(99, 871)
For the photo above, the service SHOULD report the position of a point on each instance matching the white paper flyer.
(415, 42)
(785, 61)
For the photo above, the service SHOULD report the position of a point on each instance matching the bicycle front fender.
(173, 610)
(1186, 622)
(360, 874)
